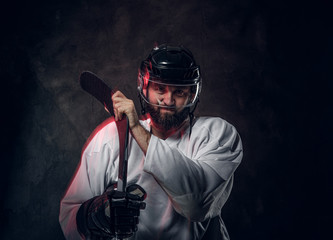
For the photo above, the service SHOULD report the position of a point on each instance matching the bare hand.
(122, 105)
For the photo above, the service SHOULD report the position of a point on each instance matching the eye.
(182, 92)
(179, 93)
(159, 88)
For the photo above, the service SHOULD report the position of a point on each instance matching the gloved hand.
(112, 214)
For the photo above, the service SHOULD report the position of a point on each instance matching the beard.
(168, 121)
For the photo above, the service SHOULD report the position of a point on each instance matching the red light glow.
(146, 79)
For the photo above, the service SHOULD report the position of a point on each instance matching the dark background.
(267, 69)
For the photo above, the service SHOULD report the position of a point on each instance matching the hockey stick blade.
(97, 88)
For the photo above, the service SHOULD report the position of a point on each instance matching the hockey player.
(180, 168)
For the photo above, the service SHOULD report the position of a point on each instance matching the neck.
(161, 133)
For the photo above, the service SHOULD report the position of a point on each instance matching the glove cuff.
(81, 218)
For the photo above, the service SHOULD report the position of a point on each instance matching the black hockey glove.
(113, 214)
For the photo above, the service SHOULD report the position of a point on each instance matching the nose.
(168, 98)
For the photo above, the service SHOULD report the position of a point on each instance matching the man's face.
(170, 112)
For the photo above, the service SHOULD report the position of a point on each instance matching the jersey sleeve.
(198, 176)
(91, 177)
(77, 193)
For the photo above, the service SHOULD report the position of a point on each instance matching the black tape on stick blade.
(97, 88)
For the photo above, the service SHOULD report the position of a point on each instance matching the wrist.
(134, 125)
(142, 136)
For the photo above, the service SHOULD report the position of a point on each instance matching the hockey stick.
(102, 92)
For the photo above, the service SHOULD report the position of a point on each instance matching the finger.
(117, 99)
(116, 112)
(118, 94)
(120, 110)
(114, 107)
(113, 97)
(119, 114)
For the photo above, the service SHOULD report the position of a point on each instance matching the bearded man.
(181, 165)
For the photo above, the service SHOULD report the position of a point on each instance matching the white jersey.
(187, 178)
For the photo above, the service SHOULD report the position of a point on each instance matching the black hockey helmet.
(173, 66)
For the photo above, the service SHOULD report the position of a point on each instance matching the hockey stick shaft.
(102, 92)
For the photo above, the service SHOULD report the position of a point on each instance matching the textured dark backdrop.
(266, 69)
